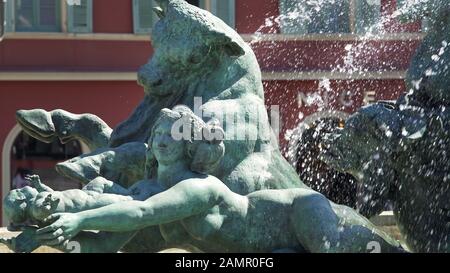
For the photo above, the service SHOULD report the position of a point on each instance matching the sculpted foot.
(48, 126)
(108, 163)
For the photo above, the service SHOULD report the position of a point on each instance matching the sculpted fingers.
(52, 218)
(46, 229)
(57, 241)
(50, 235)
(49, 229)
(65, 227)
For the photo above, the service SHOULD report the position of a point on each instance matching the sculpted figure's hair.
(15, 204)
(204, 142)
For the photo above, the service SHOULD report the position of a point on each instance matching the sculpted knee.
(310, 200)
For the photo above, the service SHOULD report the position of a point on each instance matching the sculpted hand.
(25, 242)
(34, 180)
(64, 227)
(5, 241)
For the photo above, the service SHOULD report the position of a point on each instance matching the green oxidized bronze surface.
(400, 151)
(218, 195)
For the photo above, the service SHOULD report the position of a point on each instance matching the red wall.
(328, 55)
(113, 16)
(78, 55)
(251, 15)
(111, 101)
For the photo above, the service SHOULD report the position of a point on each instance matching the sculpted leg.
(48, 126)
(101, 242)
(124, 165)
(325, 227)
(147, 240)
(103, 185)
(91, 130)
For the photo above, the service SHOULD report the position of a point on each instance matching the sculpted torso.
(232, 227)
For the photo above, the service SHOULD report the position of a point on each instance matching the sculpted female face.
(165, 148)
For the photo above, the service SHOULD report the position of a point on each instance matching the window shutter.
(292, 24)
(9, 16)
(225, 10)
(368, 14)
(2, 19)
(79, 17)
(143, 16)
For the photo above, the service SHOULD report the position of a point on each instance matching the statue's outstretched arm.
(48, 126)
(185, 199)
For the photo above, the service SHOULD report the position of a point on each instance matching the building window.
(144, 18)
(37, 15)
(225, 10)
(328, 16)
(367, 16)
(49, 16)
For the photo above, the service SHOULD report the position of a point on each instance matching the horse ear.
(233, 49)
(230, 45)
(159, 12)
(162, 8)
(414, 128)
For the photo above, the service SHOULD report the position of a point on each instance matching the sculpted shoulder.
(203, 182)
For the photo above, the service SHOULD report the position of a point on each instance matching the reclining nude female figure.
(214, 218)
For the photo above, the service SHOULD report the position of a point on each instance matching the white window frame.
(209, 5)
(10, 16)
(66, 18)
(353, 14)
